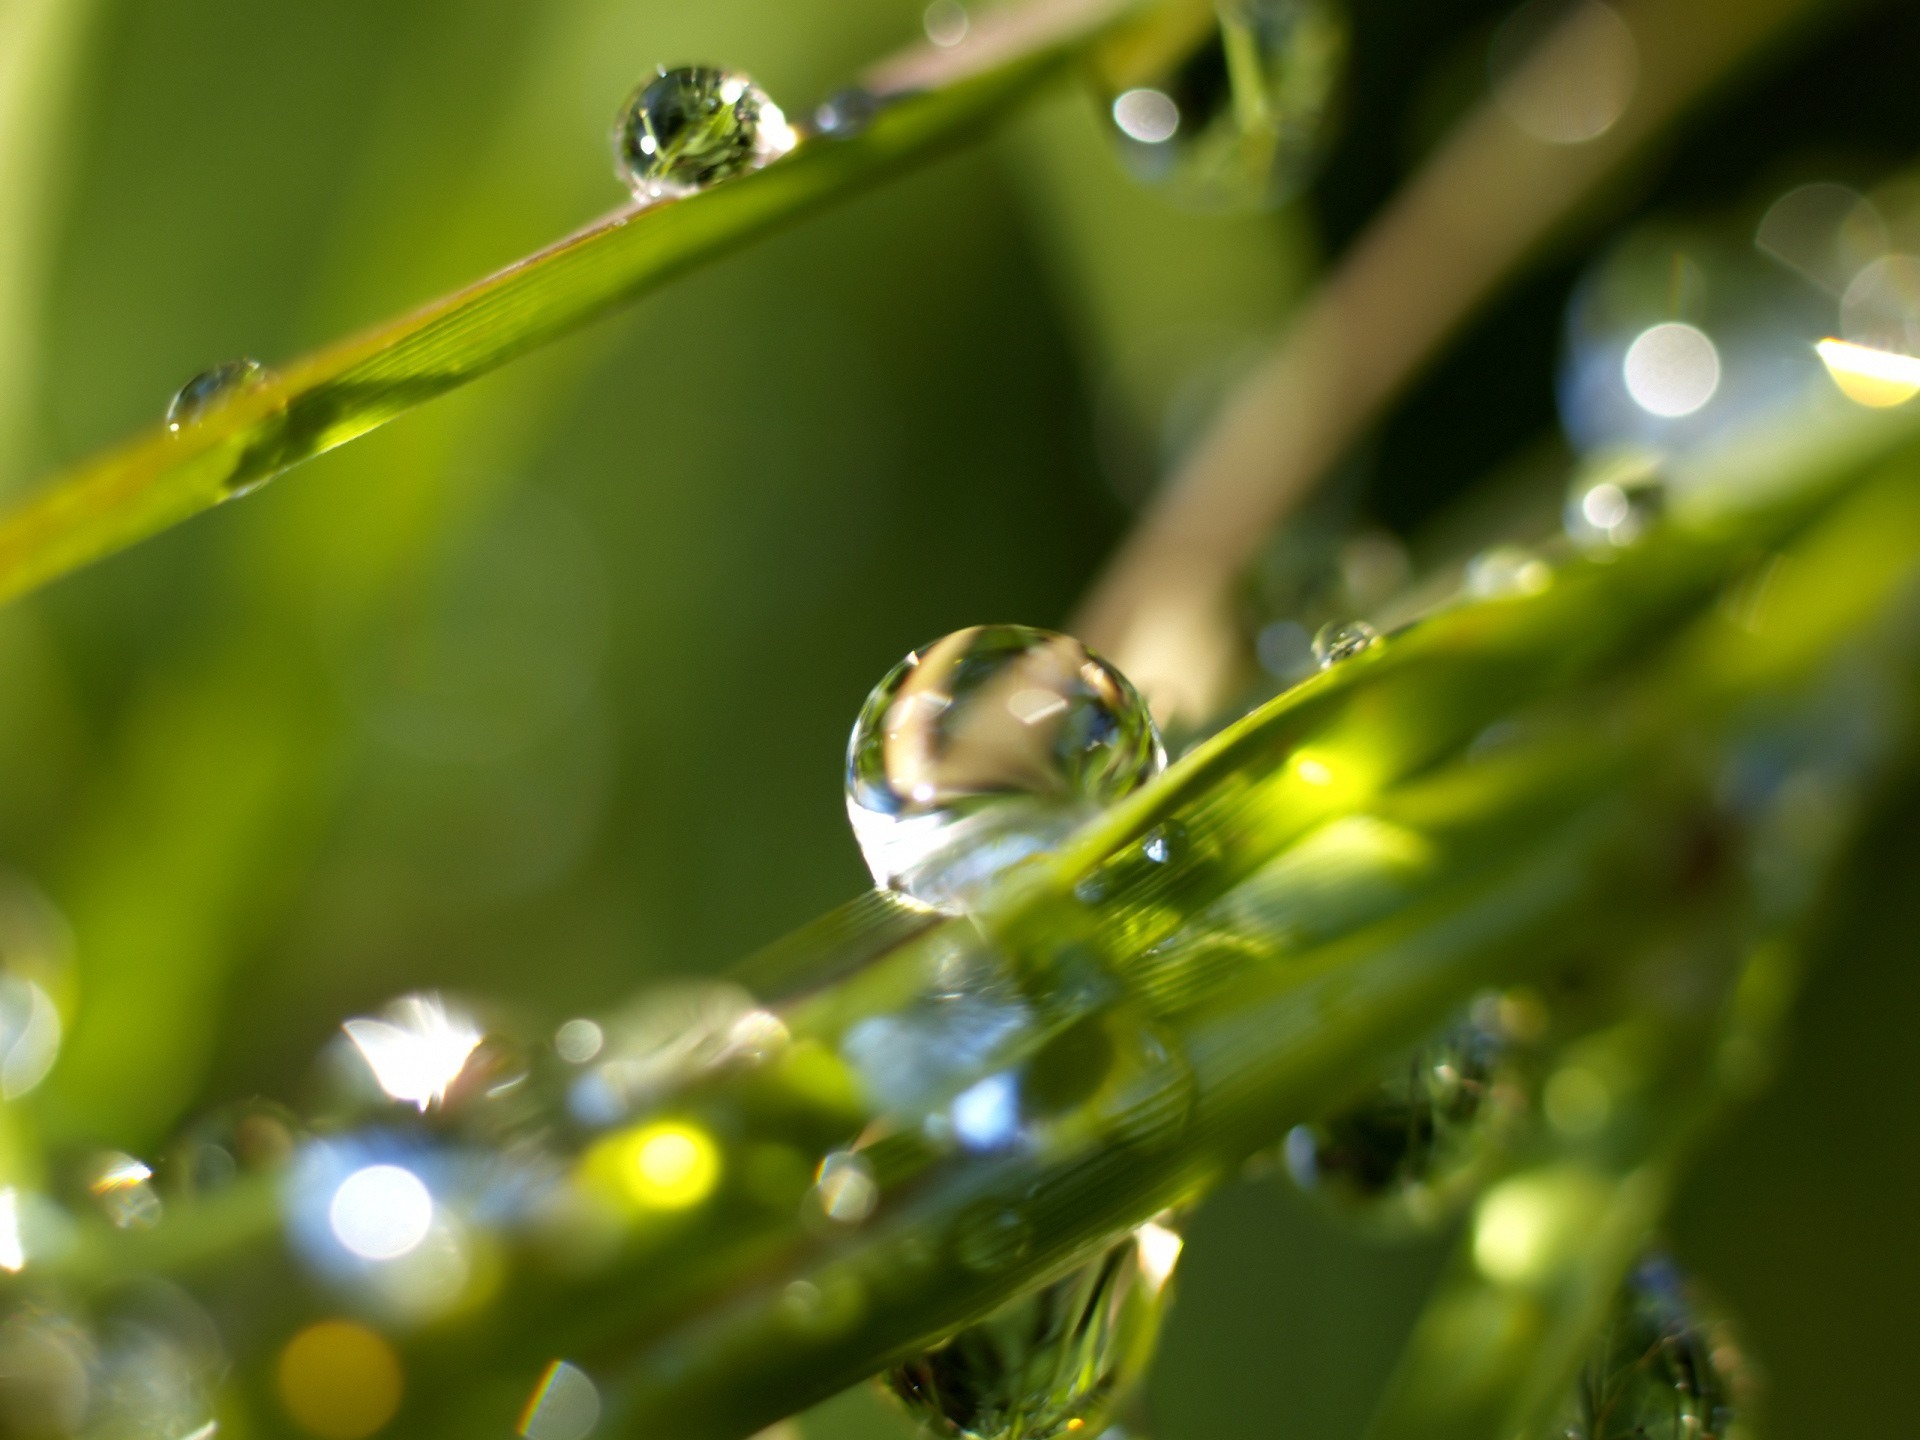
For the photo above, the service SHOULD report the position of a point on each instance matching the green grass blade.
(348, 389)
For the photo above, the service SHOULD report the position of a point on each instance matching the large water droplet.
(1662, 1369)
(1408, 1153)
(210, 388)
(1342, 640)
(688, 128)
(1238, 122)
(985, 748)
(1052, 1362)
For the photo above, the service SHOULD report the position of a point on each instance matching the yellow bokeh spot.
(668, 1165)
(1312, 769)
(1878, 379)
(339, 1380)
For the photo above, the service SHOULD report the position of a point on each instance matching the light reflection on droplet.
(1159, 1248)
(13, 1253)
(417, 1049)
(339, 1380)
(986, 1115)
(381, 1212)
(1564, 73)
(1671, 369)
(1508, 570)
(578, 1041)
(1342, 640)
(123, 1186)
(565, 1405)
(1146, 115)
(692, 127)
(29, 1036)
(845, 1188)
(946, 23)
(1877, 379)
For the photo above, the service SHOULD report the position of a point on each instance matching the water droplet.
(1662, 1369)
(845, 1188)
(417, 1049)
(1615, 500)
(210, 388)
(1053, 1362)
(124, 1188)
(846, 113)
(1407, 1154)
(986, 748)
(565, 1405)
(1238, 122)
(689, 128)
(946, 23)
(1507, 570)
(1342, 640)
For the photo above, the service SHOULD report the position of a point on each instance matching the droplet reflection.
(986, 748)
(686, 129)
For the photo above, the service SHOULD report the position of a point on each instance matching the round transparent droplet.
(1342, 640)
(1240, 120)
(1053, 1362)
(1507, 570)
(1615, 500)
(846, 113)
(1663, 1368)
(688, 128)
(210, 388)
(985, 748)
(1408, 1154)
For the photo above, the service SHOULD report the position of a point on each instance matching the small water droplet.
(1409, 1153)
(1507, 570)
(123, 1186)
(1342, 640)
(688, 128)
(1663, 1368)
(946, 23)
(846, 113)
(1615, 500)
(845, 1189)
(1053, 1362)
(211, 388)
(1239, 121)
(986, 748)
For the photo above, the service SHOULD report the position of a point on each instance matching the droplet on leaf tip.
(211, 388)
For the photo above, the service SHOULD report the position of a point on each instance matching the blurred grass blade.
(929, 100)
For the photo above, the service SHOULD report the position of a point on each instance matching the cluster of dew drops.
(976, 753)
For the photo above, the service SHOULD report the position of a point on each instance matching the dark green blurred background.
(541, 692)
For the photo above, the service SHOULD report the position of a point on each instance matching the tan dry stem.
(1164, 609)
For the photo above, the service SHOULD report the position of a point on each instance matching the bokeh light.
(339, 1380)
(381, 1212)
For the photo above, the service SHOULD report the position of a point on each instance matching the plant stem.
(1486, 201)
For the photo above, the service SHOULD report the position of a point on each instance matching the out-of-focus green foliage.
(540, 692)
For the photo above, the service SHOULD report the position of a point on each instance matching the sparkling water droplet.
(123, 1186)
(1342, 640)
(689, 128)
(1662, 1369)
(985, 748)
(1053, 1362)
(846, 113)
(1615, 500)
(1507, 570)
(210, 388)
(1238, 122)
(1407, 1154)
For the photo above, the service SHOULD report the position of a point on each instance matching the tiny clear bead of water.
(1053, 1362)
(1238, 122)
(207, 389)
(1406, 1154)
(692, 127)
(988, 747)
(1662, 1368)
(1343, 640)
(1615, 500)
